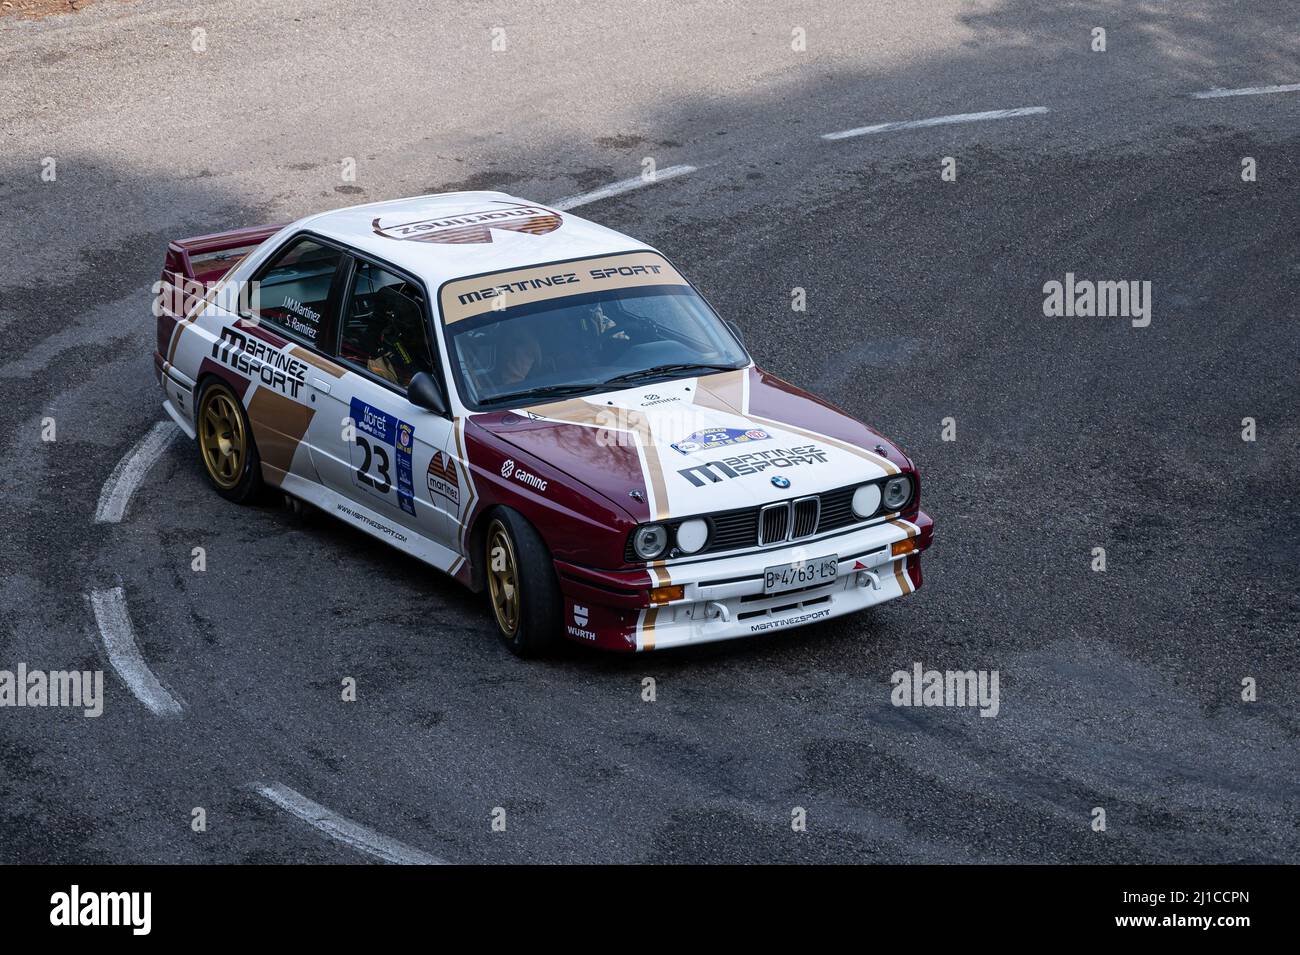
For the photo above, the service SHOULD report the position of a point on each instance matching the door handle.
(321, 385)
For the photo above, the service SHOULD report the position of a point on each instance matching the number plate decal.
(800, 574)
(381, 454)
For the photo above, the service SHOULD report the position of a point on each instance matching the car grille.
(776, 523)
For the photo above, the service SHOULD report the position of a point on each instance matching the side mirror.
(423, 392)
(735, 330)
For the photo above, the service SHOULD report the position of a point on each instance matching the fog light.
(663, 595)
(692, 535)
(866, 500)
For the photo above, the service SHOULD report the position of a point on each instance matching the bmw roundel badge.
(781, 482)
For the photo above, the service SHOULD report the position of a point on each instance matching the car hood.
(700, 445)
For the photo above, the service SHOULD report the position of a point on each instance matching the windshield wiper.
(545, 391)
(660, 370)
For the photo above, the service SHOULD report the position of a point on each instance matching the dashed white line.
(119, 640)
(345, 830)
(618, 188)
(1247, 91)
(130, 471)
(938, 121)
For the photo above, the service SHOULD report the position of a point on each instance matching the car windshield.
(572, 328)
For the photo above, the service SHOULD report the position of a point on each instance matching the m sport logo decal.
(714, 472)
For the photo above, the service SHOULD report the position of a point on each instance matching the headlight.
(898, 491)
(866, 500)
(650, 541)
(692, 535)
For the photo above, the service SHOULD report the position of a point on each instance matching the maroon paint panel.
(771, 397)
(166, 326)
(609, 628)
(577, 525)
(925, 529)
(924, 537)
(605, 461)
(914, 570)
(624, 588)
(237, 382)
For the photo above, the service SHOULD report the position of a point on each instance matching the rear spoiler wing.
(194, 265)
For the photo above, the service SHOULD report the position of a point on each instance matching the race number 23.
(376, 457)
(381, 454)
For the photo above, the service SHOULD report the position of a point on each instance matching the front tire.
(226, 446)
(522, 589)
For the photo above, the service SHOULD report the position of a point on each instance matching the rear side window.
(384, 330)
(294, 288)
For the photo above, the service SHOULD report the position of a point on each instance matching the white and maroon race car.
(542, 408)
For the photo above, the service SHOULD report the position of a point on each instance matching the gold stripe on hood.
(727, 392)
(722, 392)
(579, 412)
(886, 465)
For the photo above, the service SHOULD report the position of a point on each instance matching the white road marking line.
(130, 471)
(1247, 91)
(618, 188)
(938, 121)
(119, 640)
(345, 830)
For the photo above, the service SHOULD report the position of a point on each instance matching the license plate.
(800, 574)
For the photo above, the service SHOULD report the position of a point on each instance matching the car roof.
(457, 234)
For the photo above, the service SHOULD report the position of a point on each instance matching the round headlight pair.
(867, 499)
(651, 540)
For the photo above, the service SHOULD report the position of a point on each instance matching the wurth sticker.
(381, 454)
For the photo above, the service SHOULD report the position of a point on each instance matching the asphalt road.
(1119, 689)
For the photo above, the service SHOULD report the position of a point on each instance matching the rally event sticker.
(718, 438)
(381, 454)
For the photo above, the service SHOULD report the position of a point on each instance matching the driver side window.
(294, 288)
(383, 326)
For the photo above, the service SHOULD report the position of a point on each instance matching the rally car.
(542, 408)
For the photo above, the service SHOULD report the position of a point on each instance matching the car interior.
(304, 274)
(384, 329)
(590, 341)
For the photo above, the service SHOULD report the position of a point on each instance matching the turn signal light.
(899, 548)
(663, 595)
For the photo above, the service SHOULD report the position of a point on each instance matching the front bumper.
(723, 596)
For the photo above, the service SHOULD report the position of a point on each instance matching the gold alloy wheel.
(221, 437)
(503, 578)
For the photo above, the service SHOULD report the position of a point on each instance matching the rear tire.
(226, 447)
(521, 584)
